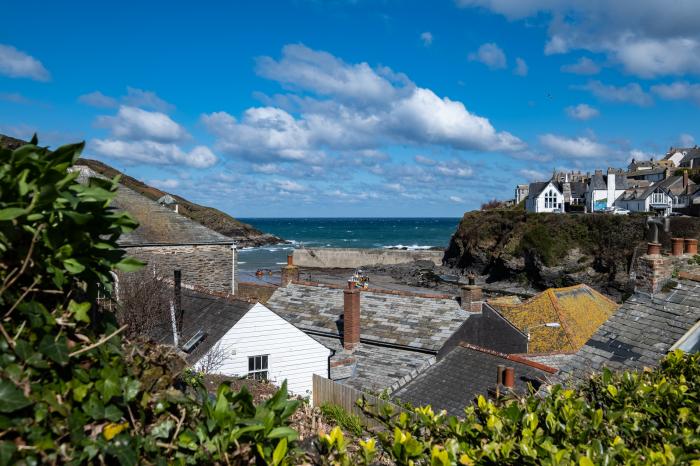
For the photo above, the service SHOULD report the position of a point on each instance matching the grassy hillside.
(221, 222)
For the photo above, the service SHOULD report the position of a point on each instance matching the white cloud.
(168, 183)
(646, 37)
(15, 98)
(582, 112)
(98, 99)
(347, 109)
(686, 140)
(630, 93)
(584, 65)
(290, 186)
(146, 99)
(532, 175)
(521, 68)
(581, 147)
(456, 199)
(136, 124)
(17, 64)
(424, 160)
(490, 55)
(154, 153)
(427, 38)
(266, 168)
(680, 90)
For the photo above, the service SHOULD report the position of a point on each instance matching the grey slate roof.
(536, 188)
(578, 188)
(410, 321)
(157, 224)
(371, 367)
(673, 184)
(689, 154)
(212, 314)
(555, 360)
(599, 181)
(462, 375)
(640, 332)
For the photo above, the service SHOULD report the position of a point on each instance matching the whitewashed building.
(544, 197)
(674, 193)
(604, 190)
(235, 338)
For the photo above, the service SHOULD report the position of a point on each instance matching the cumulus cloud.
(680, 90)
(584, 65)
(136, 124)
(98, 99)
(344, 108)
(646, 37)
(521, 68)
(532, 175)
(290, 186)
(427, 38)
(631, 93)
(146, 99)
(582, 112)
(581, 147)
(168, 183)
(490, 55)
(456, 199)
(153, 153)
(17, 64)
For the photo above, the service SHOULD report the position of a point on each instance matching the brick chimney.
(351, 317)
(290, 272)
(472, 296)
(653, 272)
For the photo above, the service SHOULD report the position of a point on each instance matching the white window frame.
(260, 366)
(550, 199)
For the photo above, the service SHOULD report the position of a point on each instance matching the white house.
(604, 190)
(236, 338)
(673, 193)
(544, 197)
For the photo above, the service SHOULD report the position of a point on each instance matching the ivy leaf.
(56, 350)
(11, 397)
(80, 311)
(11, 213)
(7, 449)
(130, 264)
(73, 266)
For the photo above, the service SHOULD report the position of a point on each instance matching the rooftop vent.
(194, 341)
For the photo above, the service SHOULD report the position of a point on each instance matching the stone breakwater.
(349, 258)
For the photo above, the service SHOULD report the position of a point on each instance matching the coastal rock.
(549, 250)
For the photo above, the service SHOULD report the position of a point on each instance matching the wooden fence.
(327, 391)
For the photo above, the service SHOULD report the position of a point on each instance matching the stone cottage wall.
(208, 266)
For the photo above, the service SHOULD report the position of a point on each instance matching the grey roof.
(406, 320)
(599, 181)
(578, 188)
(689, 154)
(462, 375)
(640, 332)
(214, 315)
(650, 171)
(673, 184)
(555, 360)
(372, 367)
(536, 188)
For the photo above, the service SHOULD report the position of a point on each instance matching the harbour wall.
(350, 258)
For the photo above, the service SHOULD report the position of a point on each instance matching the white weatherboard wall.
(292, 354)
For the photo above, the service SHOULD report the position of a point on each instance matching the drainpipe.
(234, 263)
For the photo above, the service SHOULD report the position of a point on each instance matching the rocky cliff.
(547, 250)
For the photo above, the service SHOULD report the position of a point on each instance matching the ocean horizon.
(344, 232)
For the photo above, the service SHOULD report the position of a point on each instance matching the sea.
(409, 233)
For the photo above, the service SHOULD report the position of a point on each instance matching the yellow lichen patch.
(504, 300)
(579, 310)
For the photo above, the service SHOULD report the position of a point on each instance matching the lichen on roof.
(579, 310)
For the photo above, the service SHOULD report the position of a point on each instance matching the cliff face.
(551, 250)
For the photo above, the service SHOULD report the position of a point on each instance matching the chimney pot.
(509, 377)
(351, 317)
(677, 246)
(691, 246)
(653, 249)
(499, 374)
(290, 259)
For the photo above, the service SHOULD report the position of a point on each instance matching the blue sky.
(352, 108)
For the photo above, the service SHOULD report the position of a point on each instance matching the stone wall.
(354, 258)
(208, 266)
(653, 272)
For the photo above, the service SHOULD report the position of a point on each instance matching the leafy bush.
(347, 421)
(71, 390)
(648, 417)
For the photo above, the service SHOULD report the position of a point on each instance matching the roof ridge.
(374, 290)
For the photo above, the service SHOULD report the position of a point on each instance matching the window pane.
(251, 363)
(264, 362)
(257, 363)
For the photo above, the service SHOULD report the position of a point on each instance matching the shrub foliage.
(71, 389)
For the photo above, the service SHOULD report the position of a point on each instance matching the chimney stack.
(472, 296)
(509, 377)
(685, 179)
(290, 272)
(351, 317)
